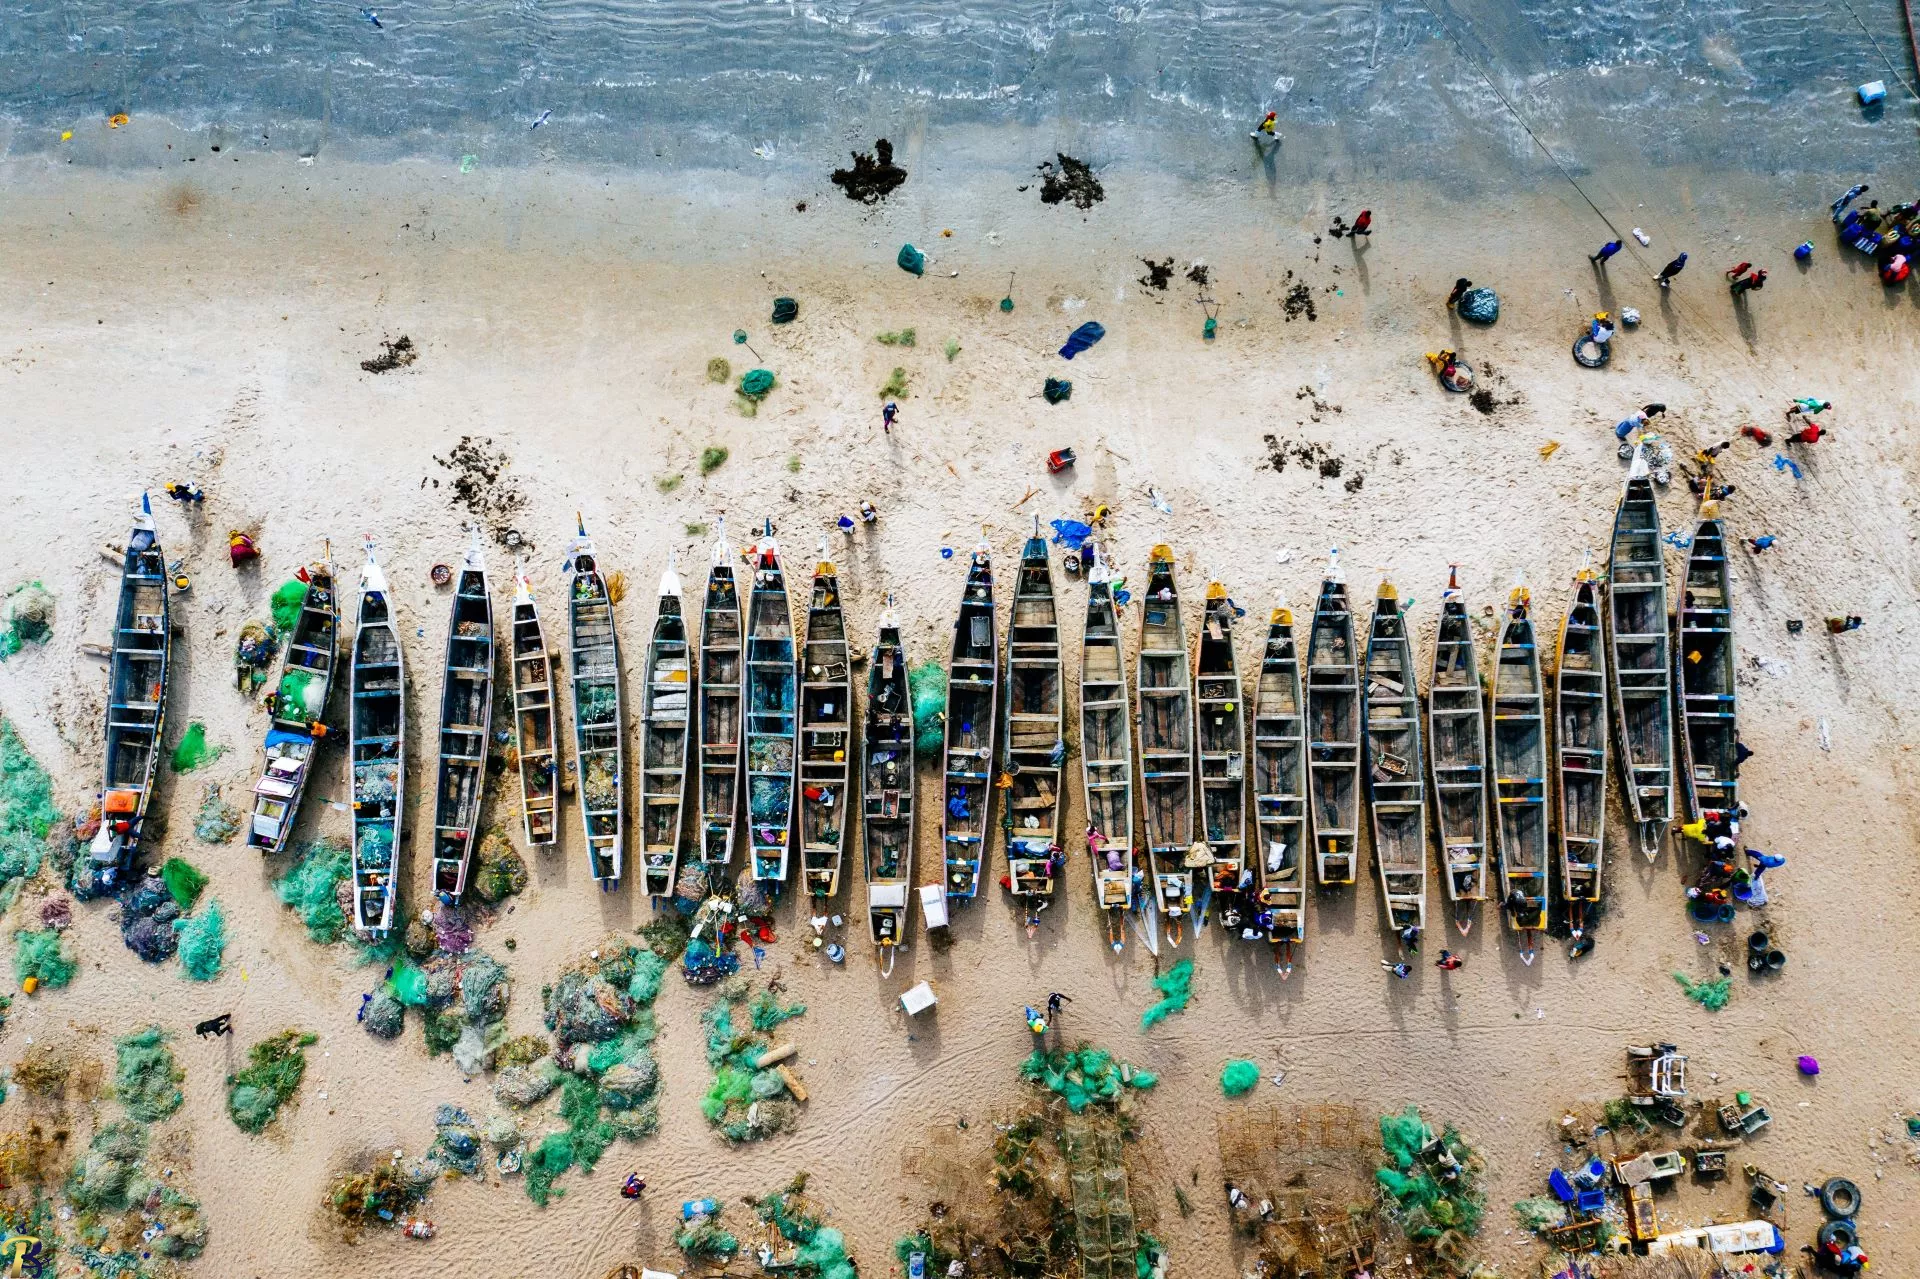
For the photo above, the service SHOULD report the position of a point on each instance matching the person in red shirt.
(1808, 434)
(1363, 225)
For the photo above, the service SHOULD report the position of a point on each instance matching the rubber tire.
(1841, 1232)
(1586, 362)
(1840, 1198)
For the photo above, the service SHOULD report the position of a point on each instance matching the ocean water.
(1763, 85)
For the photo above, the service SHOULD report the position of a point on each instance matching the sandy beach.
(207, 322)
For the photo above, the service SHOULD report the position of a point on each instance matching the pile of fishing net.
(1238, 1078)
(147, 1076)
(218, 821)
(147, 915)
(746, 1102)
(1176, 992)
(203, 942)
(311, 886)
(379, 1196)
(29, 618)
(193, 751)
(928, 683)
(1084, 1075)
(1710, 995)
(498, 871)
(27, 814)
(253, 654)
(271, 1078)
(286, 603)
(1433, 1182)
(42, 954)
(821, 1250)
(183, 880)
(456, 1142)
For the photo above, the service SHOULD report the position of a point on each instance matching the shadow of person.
(1667, 313)
(1743, 317)
(1603, 287)
(1360, 263)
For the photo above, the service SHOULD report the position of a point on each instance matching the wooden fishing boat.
(1396, 773)
(967, 760)
(1036, 746)
(771, 681)
(1638, 644)
(887, 832)
(1280, 793)
(138, 671)
(1106, 753)
(1704, 658)
(665, 739)
(1457, 746)
(1333, 722)
(1165, 678)
(466, 726)
(299, 711)
(826, 734)
(1520, 774)
(377, 746)
(1580, 749)
(1220, 723)
(533, 717)
(720, 713)
(599, 712)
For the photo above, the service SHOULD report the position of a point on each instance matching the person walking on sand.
(1841, 625)
(1808, 405)
(888, 416)
(1748, 283)
(1808, 434)
(1761, 543)
(1267, 132)
(1853, 193)
(1671, 269)
(1607, 250)
(1363, 225)
(1460, 287)
(191, 494)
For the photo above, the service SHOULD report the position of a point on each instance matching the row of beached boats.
(747, 727)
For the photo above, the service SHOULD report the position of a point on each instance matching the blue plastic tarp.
(1082, 338)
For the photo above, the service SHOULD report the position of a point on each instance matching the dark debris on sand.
(873, 177)
(1200, 274)
(481, 484)
(1067, 180)
(1298, 301)
(1159, 274)
(397, 354)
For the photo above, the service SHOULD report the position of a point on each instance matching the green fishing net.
(29, 618)
(648, 969)
(300, 696)
(1710, 995)
(756, 383)
(184, 882)
(203, 942)
(1083, 1076)
(544, 1164)
(1429, 1198)
(1176, 992)
(706, 1241)
(193, 751)
(146, 1076)
(1540, 1212)
(311, 887)
(768, 1012)
(745, 1102)
(276, 1067)
(409, 985)
(27, 814)
(42, 953)
(1238, 1078)
(218, 821)
(928, 683)
(826, 1255)
(286, 604)
(104, 1177)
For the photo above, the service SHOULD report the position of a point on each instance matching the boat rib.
(377, 746)
(1638, 645)
(720, 711)
(1036, 729)
(1333, 720)
(664, 741)
(1580, 749)
(139, 668)
(1396, 774)
(1280, 792)
(1106, 753)
(299, 707)
(887, 832)
(967, 760)
(1166, 745)
(466, 725)
(770, 714)
(1457, 745)
(1220, 724)
(1709, 737)
(533, 716)
(599, 713)
(1519, 772)
(826, 734)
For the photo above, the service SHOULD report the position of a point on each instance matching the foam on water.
(1736, 82)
